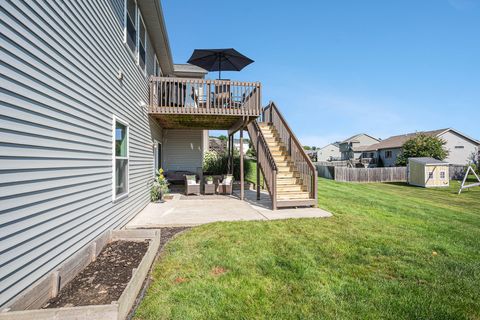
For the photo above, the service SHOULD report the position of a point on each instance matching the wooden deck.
(179, 103)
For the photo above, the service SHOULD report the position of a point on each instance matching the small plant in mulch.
(159, 187)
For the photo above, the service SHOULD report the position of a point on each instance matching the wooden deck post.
(242, 192)
(258, 166)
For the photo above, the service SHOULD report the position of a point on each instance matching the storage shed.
(428, 172)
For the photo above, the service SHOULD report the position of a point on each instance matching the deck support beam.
(242, 191)
(258, 166)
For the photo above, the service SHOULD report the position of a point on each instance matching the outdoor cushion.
(191, 179)
(227, 180)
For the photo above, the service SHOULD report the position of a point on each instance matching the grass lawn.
(390, 251)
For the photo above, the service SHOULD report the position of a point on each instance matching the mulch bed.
(103, 280)
(167, 233)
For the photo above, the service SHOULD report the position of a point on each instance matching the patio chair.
(192, 185)
(226, 185)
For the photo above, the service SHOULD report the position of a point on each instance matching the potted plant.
(209, 179)
(159, 187)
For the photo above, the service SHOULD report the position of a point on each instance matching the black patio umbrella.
(219, 60)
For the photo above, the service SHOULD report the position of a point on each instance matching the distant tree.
(307, 148)
(422, 146)
(223, 137)
(251, 152)
(314, 148)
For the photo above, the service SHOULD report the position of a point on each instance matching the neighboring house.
(217, 145)
(330, 152)
(91, 106)
(246, 146)
(351, 148)
(461, 148)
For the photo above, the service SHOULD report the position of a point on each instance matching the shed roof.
(427, 160)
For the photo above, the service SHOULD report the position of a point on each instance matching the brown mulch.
(103, 280)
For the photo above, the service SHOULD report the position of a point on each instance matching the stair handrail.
(268, 114)
(259, 141)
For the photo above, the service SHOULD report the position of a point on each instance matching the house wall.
(459, 156)
(328, 152)
(183, 149)
(358, 141)
(389, 162)
(60, 90)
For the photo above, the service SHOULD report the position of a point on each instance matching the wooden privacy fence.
(391, 174)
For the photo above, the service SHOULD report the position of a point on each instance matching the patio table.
(209, 188)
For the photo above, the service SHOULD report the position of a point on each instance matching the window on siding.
(442, 174)
(131, 24)
(388, 154)
(142, 42)
(120, 159)
(459, 147)
(430, 175)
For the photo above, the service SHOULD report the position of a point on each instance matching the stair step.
(293, 195)
(289, 174)
(287, 181)
(289, 188)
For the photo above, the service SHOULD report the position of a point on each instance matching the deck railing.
(200, 96)
(302, 163)
(265, 160)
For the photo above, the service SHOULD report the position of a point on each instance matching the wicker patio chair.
(226, 185)
(192, 185)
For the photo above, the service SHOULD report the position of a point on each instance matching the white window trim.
(116, 119)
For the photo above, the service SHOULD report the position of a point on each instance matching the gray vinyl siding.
(183, 149)
(59, 91)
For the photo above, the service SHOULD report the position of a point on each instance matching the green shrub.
(216, 163)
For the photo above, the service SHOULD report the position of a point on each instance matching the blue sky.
(337, 68)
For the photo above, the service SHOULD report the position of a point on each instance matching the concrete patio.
(197, 210)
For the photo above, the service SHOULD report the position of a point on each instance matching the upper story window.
(388, 154)
(131, 24)
(142, 42)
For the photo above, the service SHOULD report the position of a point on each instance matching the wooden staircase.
(289, 174)
(289, 185)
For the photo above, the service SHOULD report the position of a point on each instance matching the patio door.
(157, 150)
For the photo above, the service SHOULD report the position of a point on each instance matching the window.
(442, 174)
(430, 175)
(459, 147)
(120, 158)
(142, 42)
(388, 154)
(131, 24)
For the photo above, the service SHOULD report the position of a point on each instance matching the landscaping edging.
(28, 305)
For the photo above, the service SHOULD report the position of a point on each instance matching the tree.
(307, 148)
(422, 145)
(223, 137)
